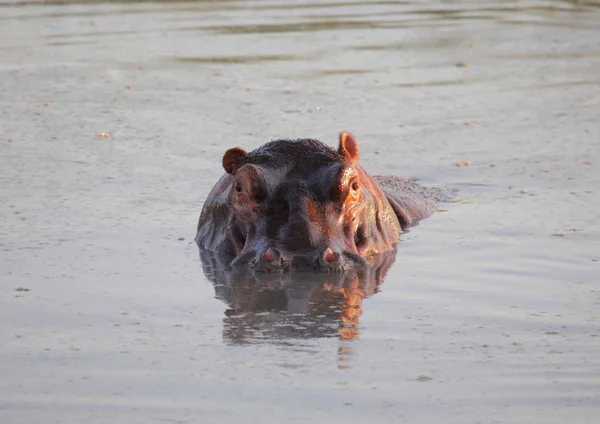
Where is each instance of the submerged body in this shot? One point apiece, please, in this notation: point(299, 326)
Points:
point(300, 204)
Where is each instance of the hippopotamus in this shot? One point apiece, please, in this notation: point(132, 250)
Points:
point(299, 204)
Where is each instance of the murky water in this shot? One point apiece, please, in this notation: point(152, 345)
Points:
point(113, 121)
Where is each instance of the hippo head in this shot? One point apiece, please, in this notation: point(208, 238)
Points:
point(299, 204)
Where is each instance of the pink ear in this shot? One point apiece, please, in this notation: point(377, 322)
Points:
point(233, 159)
point(348, 147)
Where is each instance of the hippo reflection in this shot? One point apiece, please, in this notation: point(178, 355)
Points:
point(299, 204)
point(275, 306)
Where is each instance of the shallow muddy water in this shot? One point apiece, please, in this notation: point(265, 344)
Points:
point(113, 121)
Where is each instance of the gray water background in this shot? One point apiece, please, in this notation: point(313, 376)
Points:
point(491, 311)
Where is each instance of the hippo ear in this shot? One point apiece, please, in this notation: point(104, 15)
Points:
point(233, 159)
point(348, 147)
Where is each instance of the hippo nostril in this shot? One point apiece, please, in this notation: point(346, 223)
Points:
point(329, 256)
point(271, 255)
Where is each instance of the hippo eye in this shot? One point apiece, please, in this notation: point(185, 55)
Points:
point(238, 187)
point(355, 185)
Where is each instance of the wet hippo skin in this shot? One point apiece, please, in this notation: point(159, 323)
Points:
point(299, 204)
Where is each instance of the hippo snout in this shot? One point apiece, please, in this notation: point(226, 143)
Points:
point(273, 259)
point(331, 261)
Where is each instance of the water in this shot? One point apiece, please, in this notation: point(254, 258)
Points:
point(490, 312)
